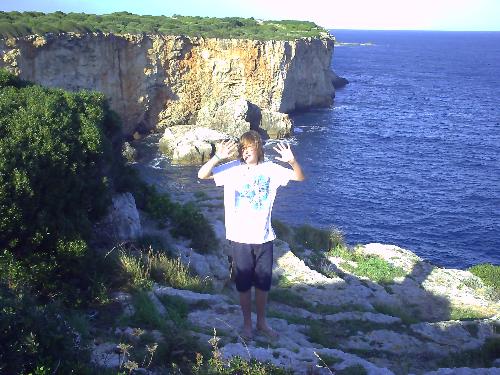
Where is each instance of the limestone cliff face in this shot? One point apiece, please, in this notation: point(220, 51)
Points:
point(158, 81)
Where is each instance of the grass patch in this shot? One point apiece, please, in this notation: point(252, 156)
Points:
point(177, 308)
point(174, 273)
point(375, 268)
point(313, 238)
point(137, 268)
point(308, 237)
point(177, 344)
point(185, 220)
point(282, 231)
point(141, 268)
point(465, 313)
point(284, 282)
point(490, 276)
point(146, 315)
point(217, 365)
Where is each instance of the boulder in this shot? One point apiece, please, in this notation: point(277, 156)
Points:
point(236, 116)
point(122, 221)
point(275, 125)
point(339, 82)
point(188, 144)
point(195, 144)
point(230, 117)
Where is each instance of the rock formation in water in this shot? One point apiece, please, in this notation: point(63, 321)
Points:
point(157, 81)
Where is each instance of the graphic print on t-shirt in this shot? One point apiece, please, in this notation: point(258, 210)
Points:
point(253, 194)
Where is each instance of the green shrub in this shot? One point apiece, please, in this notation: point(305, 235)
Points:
point(145, 313)
point(186, 220)
point(7, 79)
point(36, 337)
point(54, 152)
point(282, 231)
point(490, 275)
point(311, 238)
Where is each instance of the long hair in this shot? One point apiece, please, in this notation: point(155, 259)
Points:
point(251, 138)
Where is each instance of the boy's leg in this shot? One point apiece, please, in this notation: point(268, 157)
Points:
point(244, 268)
point(260, 304)
point(263, 276)
point(246, 309)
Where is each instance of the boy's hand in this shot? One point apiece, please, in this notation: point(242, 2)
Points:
point(226, 148)
point(286, 154)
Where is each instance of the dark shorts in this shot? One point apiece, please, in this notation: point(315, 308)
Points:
point(253, 265)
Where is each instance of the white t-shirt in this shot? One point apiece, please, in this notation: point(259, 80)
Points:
point(249, 193)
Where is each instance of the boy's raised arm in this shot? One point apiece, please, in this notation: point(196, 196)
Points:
point(223, 151)
point(286, 156)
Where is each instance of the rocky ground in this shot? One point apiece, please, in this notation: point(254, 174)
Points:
point(331, 320)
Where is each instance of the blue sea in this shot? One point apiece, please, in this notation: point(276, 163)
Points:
point(409, 153)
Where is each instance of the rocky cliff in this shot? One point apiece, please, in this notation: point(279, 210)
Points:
point(156, 81)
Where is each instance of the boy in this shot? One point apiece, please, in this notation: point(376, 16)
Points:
point(250, 186)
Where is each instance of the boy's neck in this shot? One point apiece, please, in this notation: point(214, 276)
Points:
point(249, 165)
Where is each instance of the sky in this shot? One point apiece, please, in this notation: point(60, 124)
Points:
point(450, 15)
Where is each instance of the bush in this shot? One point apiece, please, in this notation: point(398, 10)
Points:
point(7, 79)
point(318, 239)
point(36, 337)
point(54, 152)
point(186, 220)
point(190, 222)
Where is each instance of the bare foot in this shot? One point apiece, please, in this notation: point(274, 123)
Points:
point(246, 334)
point(268, 332)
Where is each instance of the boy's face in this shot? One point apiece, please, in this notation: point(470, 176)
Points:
point(249, 154)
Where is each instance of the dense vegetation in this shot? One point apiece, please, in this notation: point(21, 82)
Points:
point(55, 153)
point(17, 24)
point(55, 166)
point(60, 163)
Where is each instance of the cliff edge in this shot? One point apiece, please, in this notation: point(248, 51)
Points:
point(159, 81)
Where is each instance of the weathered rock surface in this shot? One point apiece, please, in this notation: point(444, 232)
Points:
point(122, 221)
point(177, 80)
point(330, 321)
